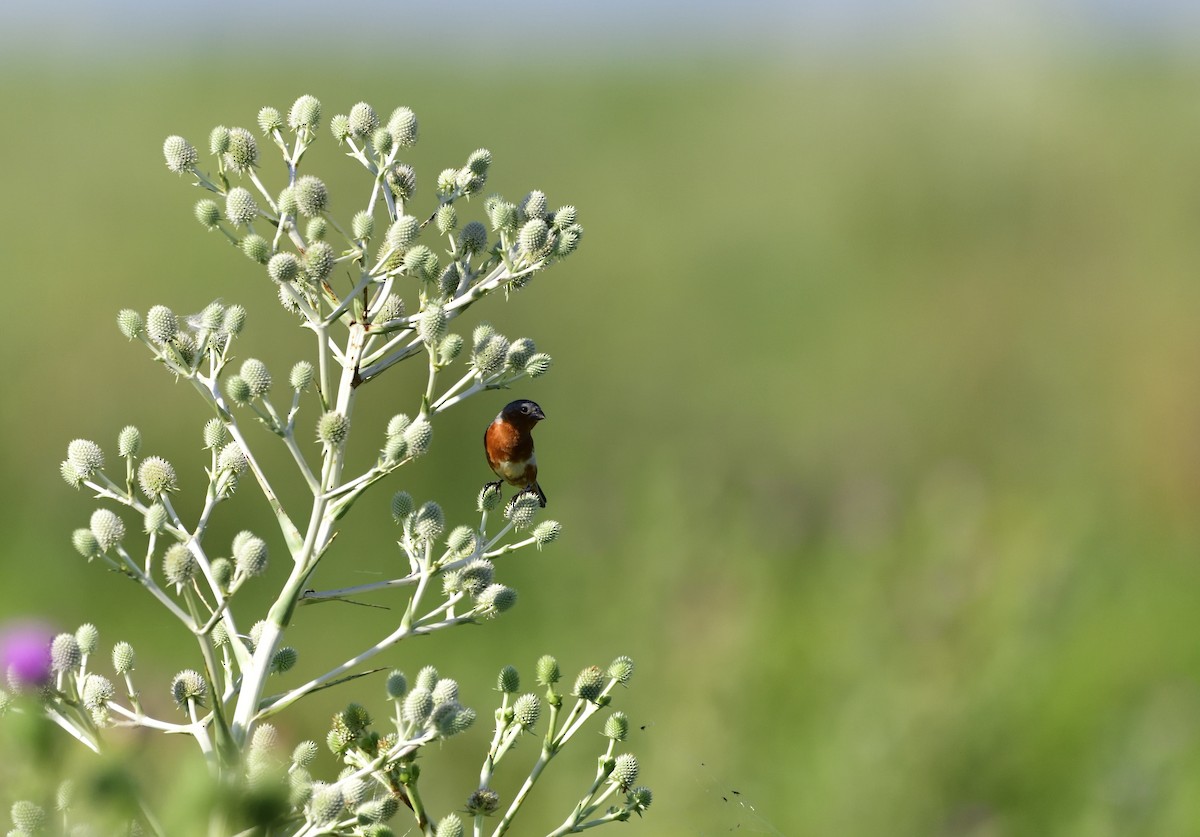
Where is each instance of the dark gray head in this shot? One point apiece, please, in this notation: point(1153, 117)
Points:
point(522, 413)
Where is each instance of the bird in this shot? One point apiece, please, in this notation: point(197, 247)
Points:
point(508, 443)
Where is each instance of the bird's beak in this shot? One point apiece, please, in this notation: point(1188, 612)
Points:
point(539, 415)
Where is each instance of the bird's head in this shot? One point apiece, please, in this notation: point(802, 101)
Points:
point(522, 413)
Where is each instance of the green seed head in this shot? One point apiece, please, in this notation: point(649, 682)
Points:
point(534, 205)
point(589, 684)
point(86, 457)
point(28, 817)
point(526, 710)
point(154, 519)
point(240, 207)
point(270, 119)
point(446, 218)
point(301, 376)
point(419, 436)
point(316, 229)
point(108, 528)
point(617, 726)
point(449, 826)
point(480, 161)
point(187, 685)
point(215, 433)
point(161, 324)
point(129, 441)
point(312, 197)
point(625, 771)
point(417, 706)
point(403, 126)
point(304, 753)
point(254, 373)
point(382, 141)
point(496, 599)
point(318, 262)
point(180, 154)
point(97, 691)
point(430, 521)
point(305, 113)
point(218, 140)
point(533, 239)
point(179, 565)
point(123, 658)
point(483, 801)
point(519, 354)
point(362, 120)
point(332, 429)
point(129, 322)
point(522, 510)
point(156, 476)
point(207, 213)
point(473, 238)
point(65, 653)
point(538, 365)
point(432, 326)
point(396, 685)
point(509, 681)
point(621, 669)
point(402, 506)
point(283, 267)
point(85, 543)
point(234, 320)
point(250, 554)
point(402, 180)
point(256, 248)
point(242, 154)
point(87, 635)
point(363, 225)
point(548, 672)
point(284, 659)
point(546, 532)
point(489, 498)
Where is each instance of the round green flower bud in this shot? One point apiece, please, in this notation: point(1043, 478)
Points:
point(473, 238)
point(617, 726)
point(339, 126)
point(363, 225)
point(589, 684)
point(376, 810)
point(403, 232)
point(87, 635)
point(254, 373)
point(256, 248)
point(503, 216)
point(305, 753)
point(534, 205)
point(242, 154)
point(339, 740)
point(394, 449)
point(332, 429)
point(447, 182)
point(397, 424)
point(382, 141)
point(402, 180)
point(449, 826)
point(64, 796)
point(129, 441)
point(85, 543)
point(155, 518)
point(311, 195)
point(218, 140)
point(621, 669)
point(468, 182)
point(107, 527)
point(250, 554)
point(362, 120)
point(444, 717)
point(215, 433)
point(432, 325)
point(392, 308)
point(480, 161)
point(327, 803)
point(497, 598)
point(449, 349)
point(316, 230)
point(538, 365)
point(284, 659)
point(86, 457)
point(509, 681)
point(161, 324)
point(489, 498)
point(222, 572)
point(445, 691)
point(318, 262)
point(402, 506)
point(522, 509)
point(220, 635)
point(476, 576)
point(526, 710)
point(625, 771)
point(403, 125)
point(396, 685)
point(123, 658)
point(65, 653)
point(448, 281)
point(519, 353)
point(641, 797)
point(430, 521)
point(240, 207)
point(418, 436)
point(179, 565)
point(180, 154)
point(185, 345)
point(210, 319)
point(283, 267)
point(129, 322)
point(446, 218)
point(97, 691)
point(489, 360)
point(67, 471)
point(288, 202)
point(156, 476)
point(256, 631)
point(546, 532)
point(462, 541)
point(427, 678)
point(533, 238)
point(234, 320)
point(207, 213)
point(305, 113)
point(565, 216)
point(238, 390)
point(270, 119)
point(28, 817)
point(417, 706)
point(547, 671)
point(568, 241)
point(356, 717)
point(301, 376)
point(264, 739)
point(483, 801)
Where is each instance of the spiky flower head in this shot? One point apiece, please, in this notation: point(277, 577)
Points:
point(519, 353)
point(249, 553)
point(396, 685)
point(533, 239)
point(179, 565)
point(397, 424)
point(234, 320)
point(522, 509)
point(284, 659)
point(254, 372)
point(312, 197)
point(85, 543)
point(215, 433)
point(402, 506)
point(86, 457)
point(301, 376)
point(287, 202)
point(480, 161)
point(403, 232)
point(402, 180)
point(240, 207)
point(207, 213)
point(546, 532)
point(503, 216)
point(129, 441)
point(318, 261)
point(264, 739)
point(496, 599)
point(449, 826)
point(392, 308)
point(417, 706)
point(473, 238)
point(69, 474)
point(154, 519)
point(305, 753)
point(382, 141)
point(327, 803)
point(432, 326)
point(283, 267)
point(316, 229)
point(123, 658)
point(621, 669)
point(87, 635)
point(427, 678)
point(305, 113)
point(187, 685)
point(362, 225)
point(508, 681)
point(376, 811)
point(483, 801)
point(180, 154)
point(218, 140)
point(97, 691)
point(449, 349)
point(589, 684)
point(270, 119)
point(446, 218)
point(476, 576)
point(65, 653)
point(625, 771)
point(489, 498)
point(489, 358)
point(418, 436)
point(156, 476)
point(445, 691)
point(534, 205)
point(538, 365)
point(640, 798)
point(242, 154)
point(64, 796)
point(422, 262)
point(461, 541)
point(565, 216)
point(526, 710)
point(332, 429)
point(568, 241)
point(256, 248)
point(447, 182)
point(107, 527)
point(362, 120)
point(430, 521)
point(403, 125)
point(616, 726)
point(161, 324)
point(222, 573)
point(130, 324)
point(28, 817)
point(468, 182)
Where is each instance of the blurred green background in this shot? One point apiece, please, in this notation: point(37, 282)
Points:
point(872, 425)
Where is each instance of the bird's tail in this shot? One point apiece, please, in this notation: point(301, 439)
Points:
point(541, 495)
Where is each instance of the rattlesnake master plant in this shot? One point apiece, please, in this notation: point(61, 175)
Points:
point(385, 286)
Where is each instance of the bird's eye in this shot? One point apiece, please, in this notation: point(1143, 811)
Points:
point(525, 409)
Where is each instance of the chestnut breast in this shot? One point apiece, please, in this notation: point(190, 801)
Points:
point(510, 452)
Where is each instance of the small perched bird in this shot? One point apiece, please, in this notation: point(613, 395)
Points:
point(508, 442)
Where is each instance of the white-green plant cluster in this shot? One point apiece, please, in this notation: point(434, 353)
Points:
point(384, 287)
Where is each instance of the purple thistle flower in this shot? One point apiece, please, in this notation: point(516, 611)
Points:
point(25, 653)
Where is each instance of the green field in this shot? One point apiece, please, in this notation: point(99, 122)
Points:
point(873, 425)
